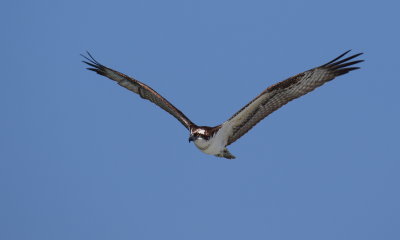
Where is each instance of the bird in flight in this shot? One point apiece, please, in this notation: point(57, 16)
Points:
point(214, 140)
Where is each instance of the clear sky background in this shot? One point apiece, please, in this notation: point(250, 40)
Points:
point(83, 158)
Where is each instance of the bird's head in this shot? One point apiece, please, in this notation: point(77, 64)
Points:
point(197, 133)
point(202, 133)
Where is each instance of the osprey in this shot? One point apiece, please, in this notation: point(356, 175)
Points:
point(213, 140)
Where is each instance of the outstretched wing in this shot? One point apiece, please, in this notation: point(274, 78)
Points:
point(135, 86)
point(281, 93)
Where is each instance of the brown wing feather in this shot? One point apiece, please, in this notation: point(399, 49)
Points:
point(140, 88)
point(283, 92)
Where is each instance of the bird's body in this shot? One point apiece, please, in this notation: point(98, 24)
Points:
point(213, 140)
point(216, 144)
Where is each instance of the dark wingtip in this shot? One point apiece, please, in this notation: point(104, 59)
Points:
point(95, 66)
point(345, 64)
point(341, 66)
point(341, 55)
point(91, 61)
point(90, 64)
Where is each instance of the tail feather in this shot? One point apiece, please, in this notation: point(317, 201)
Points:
point(226, 154)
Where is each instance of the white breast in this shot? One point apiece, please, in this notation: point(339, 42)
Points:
point(216, 144)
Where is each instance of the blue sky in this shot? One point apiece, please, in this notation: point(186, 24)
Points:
point(82, 158)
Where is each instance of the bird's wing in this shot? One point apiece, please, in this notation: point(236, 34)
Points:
point(140, 88)
point(281, 93)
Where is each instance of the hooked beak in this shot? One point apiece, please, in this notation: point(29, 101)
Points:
point(192, 138)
